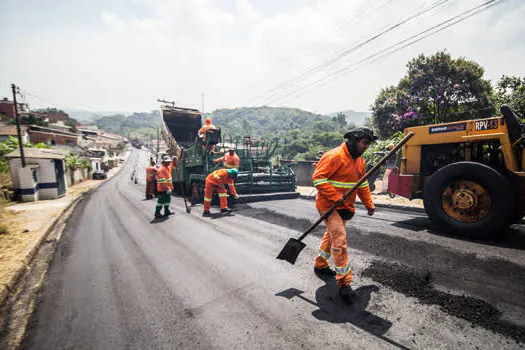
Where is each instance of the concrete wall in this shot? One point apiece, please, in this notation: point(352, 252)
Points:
point(303, 171)
point(28, 185)
point(77, 176)
point(46, 178)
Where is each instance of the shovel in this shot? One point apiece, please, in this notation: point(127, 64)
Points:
point(293, 248)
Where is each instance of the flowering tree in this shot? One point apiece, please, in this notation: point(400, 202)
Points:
point(436, 89)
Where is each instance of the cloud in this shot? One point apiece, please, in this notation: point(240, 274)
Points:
point(127, 54)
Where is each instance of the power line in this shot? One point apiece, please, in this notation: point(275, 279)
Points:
point(348, 51)
point(310, 47)
point(62, 106)
point(393, 48)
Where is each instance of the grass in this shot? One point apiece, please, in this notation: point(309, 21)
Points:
point(4, 230)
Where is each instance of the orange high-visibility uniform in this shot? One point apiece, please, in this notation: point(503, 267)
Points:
point(164, 182)
point(230, 162)
point(215, 182)
point(204, 130)
point(335, 174)
point(151, 172)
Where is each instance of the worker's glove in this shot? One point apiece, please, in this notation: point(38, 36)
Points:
point(236, 197)
point(168, 192)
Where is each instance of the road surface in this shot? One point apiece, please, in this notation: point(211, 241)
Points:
point(119, 280)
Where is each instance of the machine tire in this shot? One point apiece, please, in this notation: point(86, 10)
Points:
point(496, 217)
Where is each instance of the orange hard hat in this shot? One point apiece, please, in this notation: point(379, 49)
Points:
point(208, 121)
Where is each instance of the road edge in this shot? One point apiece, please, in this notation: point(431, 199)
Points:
point(381, 205)
point(7, 288)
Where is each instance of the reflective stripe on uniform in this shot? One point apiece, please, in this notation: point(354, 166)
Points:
point(341, 184)
point(230, 166)
point(223, 194)
point(363, 185)
point(206, 199)
point(342, 270)
point(216, 176)
point(320, 181)
point(324, 254)
point(161, 181)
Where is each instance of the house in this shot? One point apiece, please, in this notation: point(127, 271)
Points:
point(8, 108)
point(50, 136)
point(60, 126)
point(43, 177)
point(7, 131)
point(53, 117)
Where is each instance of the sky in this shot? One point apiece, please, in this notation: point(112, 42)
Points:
point(122, 55)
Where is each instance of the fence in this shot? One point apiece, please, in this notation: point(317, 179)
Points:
point(78, 175)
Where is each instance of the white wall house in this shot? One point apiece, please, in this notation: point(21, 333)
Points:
point(43, 176)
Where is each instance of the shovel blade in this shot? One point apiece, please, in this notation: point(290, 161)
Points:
point(291, 250)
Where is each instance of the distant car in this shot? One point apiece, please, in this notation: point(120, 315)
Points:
point(99, 175)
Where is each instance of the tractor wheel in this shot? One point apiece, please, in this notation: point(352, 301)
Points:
point(469, 199)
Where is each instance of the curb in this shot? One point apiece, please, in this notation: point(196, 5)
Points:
point(9, 286)
point(381, 205)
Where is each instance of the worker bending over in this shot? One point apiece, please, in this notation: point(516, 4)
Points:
point(216, 181)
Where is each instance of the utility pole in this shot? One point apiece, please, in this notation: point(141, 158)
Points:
point(158, 140)
point(17, 117)
point(202, 109)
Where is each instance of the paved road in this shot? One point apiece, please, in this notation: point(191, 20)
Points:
point(120, 281)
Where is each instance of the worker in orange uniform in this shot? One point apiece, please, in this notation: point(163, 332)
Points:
point(337, 171)
point(202, 132)
point(230, 160)
point(216, 181)
point(164, 186)
point(151, 173)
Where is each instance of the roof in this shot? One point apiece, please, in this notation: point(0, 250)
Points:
point(40, 153)
point(11, 130)
point(43, 129)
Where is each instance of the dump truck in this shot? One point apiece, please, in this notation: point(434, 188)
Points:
point(470, 174)
point(258, 178)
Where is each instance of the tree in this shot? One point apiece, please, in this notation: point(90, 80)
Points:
point(436, 89)
point(510, 90)
point(340, 119)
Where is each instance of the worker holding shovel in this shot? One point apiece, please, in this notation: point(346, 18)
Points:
point(339, 170)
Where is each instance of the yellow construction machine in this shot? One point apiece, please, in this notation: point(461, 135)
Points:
point(470, 174)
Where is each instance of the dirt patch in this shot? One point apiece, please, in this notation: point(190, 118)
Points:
point(26, 222)
point(412, 283)
point(13, 244)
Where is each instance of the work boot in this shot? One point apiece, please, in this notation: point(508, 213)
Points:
point(168, 213)
point(157, 212)
point(206, 214)
point(226, 210)
point(346, 292)
point(324, 271)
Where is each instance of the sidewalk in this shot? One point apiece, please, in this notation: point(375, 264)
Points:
point(28, 223)
point(379, 199)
